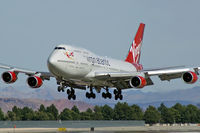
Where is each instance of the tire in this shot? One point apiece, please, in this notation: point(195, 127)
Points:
point(69, 97)
point(115, 91)
point(121, 97)
point(87, 95)
point(120, 91)
point(104, 95)
point(74, 97)
point(116, 97)
point(58, 88)
point(72, 91)
point(93, 96)
point(109, 95)
point(68, 91)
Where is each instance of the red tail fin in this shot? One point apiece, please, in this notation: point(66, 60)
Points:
point(135, 49)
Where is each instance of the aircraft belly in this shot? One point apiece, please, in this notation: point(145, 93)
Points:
point(97, 82)
point(73, 71)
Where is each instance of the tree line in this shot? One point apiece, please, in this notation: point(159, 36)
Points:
point(121, 111)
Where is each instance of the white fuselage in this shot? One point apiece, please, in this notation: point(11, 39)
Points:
point(72, 63)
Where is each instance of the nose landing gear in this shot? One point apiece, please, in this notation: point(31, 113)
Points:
point(70, 92)
point(61, 88)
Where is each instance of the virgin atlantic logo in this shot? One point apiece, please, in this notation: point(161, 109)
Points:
point(69, 55)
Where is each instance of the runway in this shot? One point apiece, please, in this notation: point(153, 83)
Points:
point(106, 129)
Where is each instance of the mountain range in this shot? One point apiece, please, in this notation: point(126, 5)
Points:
point(8, 103)
point(24, 96)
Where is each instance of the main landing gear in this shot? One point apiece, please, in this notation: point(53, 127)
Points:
point(107, 94)
point(118, 94)
point(90, 94)
point(71, 94)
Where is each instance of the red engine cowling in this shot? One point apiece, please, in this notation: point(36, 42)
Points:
point(9, 77)
point(138, 82)
point(189, 77)
point(34, 81)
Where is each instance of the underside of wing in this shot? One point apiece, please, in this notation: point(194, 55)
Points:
point(125, 80)
point(169, 74)
point(122, 80)
point(34, 80)
point(26, 71)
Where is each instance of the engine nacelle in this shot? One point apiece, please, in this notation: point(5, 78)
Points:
point(189, 77)
point(137, 82)
point(9, 77)
point(34, 81)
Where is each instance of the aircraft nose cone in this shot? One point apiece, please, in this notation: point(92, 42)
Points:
point(51, 61)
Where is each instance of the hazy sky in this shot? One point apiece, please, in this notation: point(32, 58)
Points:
point(29, 30)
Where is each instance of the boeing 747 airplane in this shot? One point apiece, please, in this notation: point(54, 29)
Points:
point(78, 68)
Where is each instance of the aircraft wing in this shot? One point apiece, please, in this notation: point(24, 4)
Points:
point(122, 79)
point(43, 75)
point(168, 74)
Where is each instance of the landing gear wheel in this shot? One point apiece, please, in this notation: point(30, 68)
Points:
point(118, 94)
point(119, 91)
point(72, 91)
point(87, 95)
point(109, 95)
point(68, 91)
point(120, 97)
point(90, 94)
point(69, 97)
point(115, 91)
point(74, 97)
point(116, 97)
point(62, 86)
point(59, 88)
point(104, 95)
point(71, 94)
point(93, 95)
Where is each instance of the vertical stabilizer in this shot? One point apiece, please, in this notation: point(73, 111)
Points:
point(135, 49)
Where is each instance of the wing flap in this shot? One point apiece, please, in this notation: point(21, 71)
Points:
point(168, 77)
point(168, 71)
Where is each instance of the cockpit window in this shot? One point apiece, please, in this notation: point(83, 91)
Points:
point(60, 48)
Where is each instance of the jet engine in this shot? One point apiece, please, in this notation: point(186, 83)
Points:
point(9, 77)
point(137, 82)
point(34, 81)
point(189, 77)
